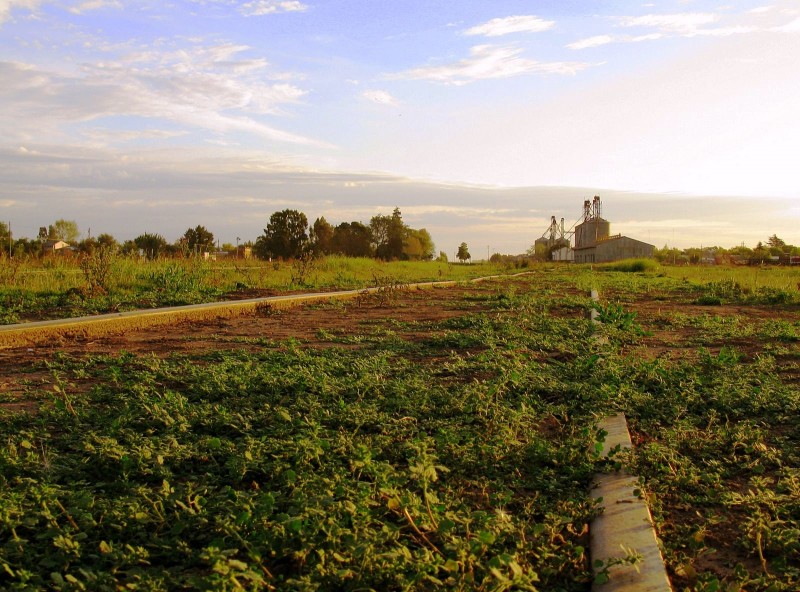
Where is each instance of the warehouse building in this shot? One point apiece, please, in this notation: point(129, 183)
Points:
point(594, 243)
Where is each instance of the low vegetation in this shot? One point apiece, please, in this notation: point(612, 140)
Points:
point(415, 453)
point(59, 287)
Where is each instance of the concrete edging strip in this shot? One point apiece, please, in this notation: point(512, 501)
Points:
point(625, 523)
point(24, 334)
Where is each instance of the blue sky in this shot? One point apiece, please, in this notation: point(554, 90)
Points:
point(479, 120)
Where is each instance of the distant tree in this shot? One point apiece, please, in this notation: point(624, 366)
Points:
point(108, 241)
point(776, 242)
point(152, 245)
point(65, 230)
point(26, 246)
point(285, 235)
point(352, 239)
point(463, 252)
point(87, 245)
point(442, 258)
point(320, 236)
point(418, 245)
point(741, 251)
point(5, 239)
point(388, 234)
point(199, 239)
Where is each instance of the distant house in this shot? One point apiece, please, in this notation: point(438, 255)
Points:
point(52, 245)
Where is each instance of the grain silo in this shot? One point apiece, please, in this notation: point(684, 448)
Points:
point(594, 243)
point(593, 228)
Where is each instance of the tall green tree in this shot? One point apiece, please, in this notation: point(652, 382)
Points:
point(352, 239)
point(199, 239)
point(108, 241)
point(285, 235)
point(463, 252)
point(152, 245)
point(320, 236)
point(5, 234)
point(65, 230)
point(388, 234)
point(776, 242)
point(418, 245)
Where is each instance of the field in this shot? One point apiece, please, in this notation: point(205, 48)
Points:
point(64, 286)
point(410, 440)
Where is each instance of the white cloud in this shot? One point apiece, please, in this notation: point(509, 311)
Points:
point(487, 62)
point(791, 27)
point(686, 22)
point(262, 7)
point(760, 9)
point(591, 42)
point(82, 7)
point(511, 24)
point(380, 97)
point(202, 88)
point(6, 6)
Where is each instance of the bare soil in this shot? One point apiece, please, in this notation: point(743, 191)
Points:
point(313, 325)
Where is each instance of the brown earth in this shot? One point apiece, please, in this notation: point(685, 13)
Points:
point(314, 325)
point(311, 323)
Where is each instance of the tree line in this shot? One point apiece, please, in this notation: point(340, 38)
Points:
point(288, 235)
point(773, 250)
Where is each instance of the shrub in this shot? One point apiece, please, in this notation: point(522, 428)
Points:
point(629, 265)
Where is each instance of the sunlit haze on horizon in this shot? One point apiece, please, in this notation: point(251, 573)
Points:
point(479, 120)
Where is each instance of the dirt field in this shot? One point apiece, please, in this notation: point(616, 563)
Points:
point(310, 323)
point(673, 326)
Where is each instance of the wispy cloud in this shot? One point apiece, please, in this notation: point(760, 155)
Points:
point(380, 97)
point(6, 6)
point(200, 87)
point(88, 5)
point(263, 7)
point(511, 24)
point(595, 41)
point(488, 62)
point(685, 24)
point(790, 27)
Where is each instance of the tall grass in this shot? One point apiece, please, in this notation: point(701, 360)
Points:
point(752, 277)
point(63, 286)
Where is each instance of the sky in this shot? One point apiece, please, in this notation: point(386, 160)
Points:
point(479, 120)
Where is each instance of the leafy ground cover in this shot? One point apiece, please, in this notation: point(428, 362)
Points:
point(711, 394)
point(407, 440)
point(400, 451)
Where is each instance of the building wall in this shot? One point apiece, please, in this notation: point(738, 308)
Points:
point(590, 231)
point(563, 254)
point(622, 248)
point(614, 249)
point(585, 255)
